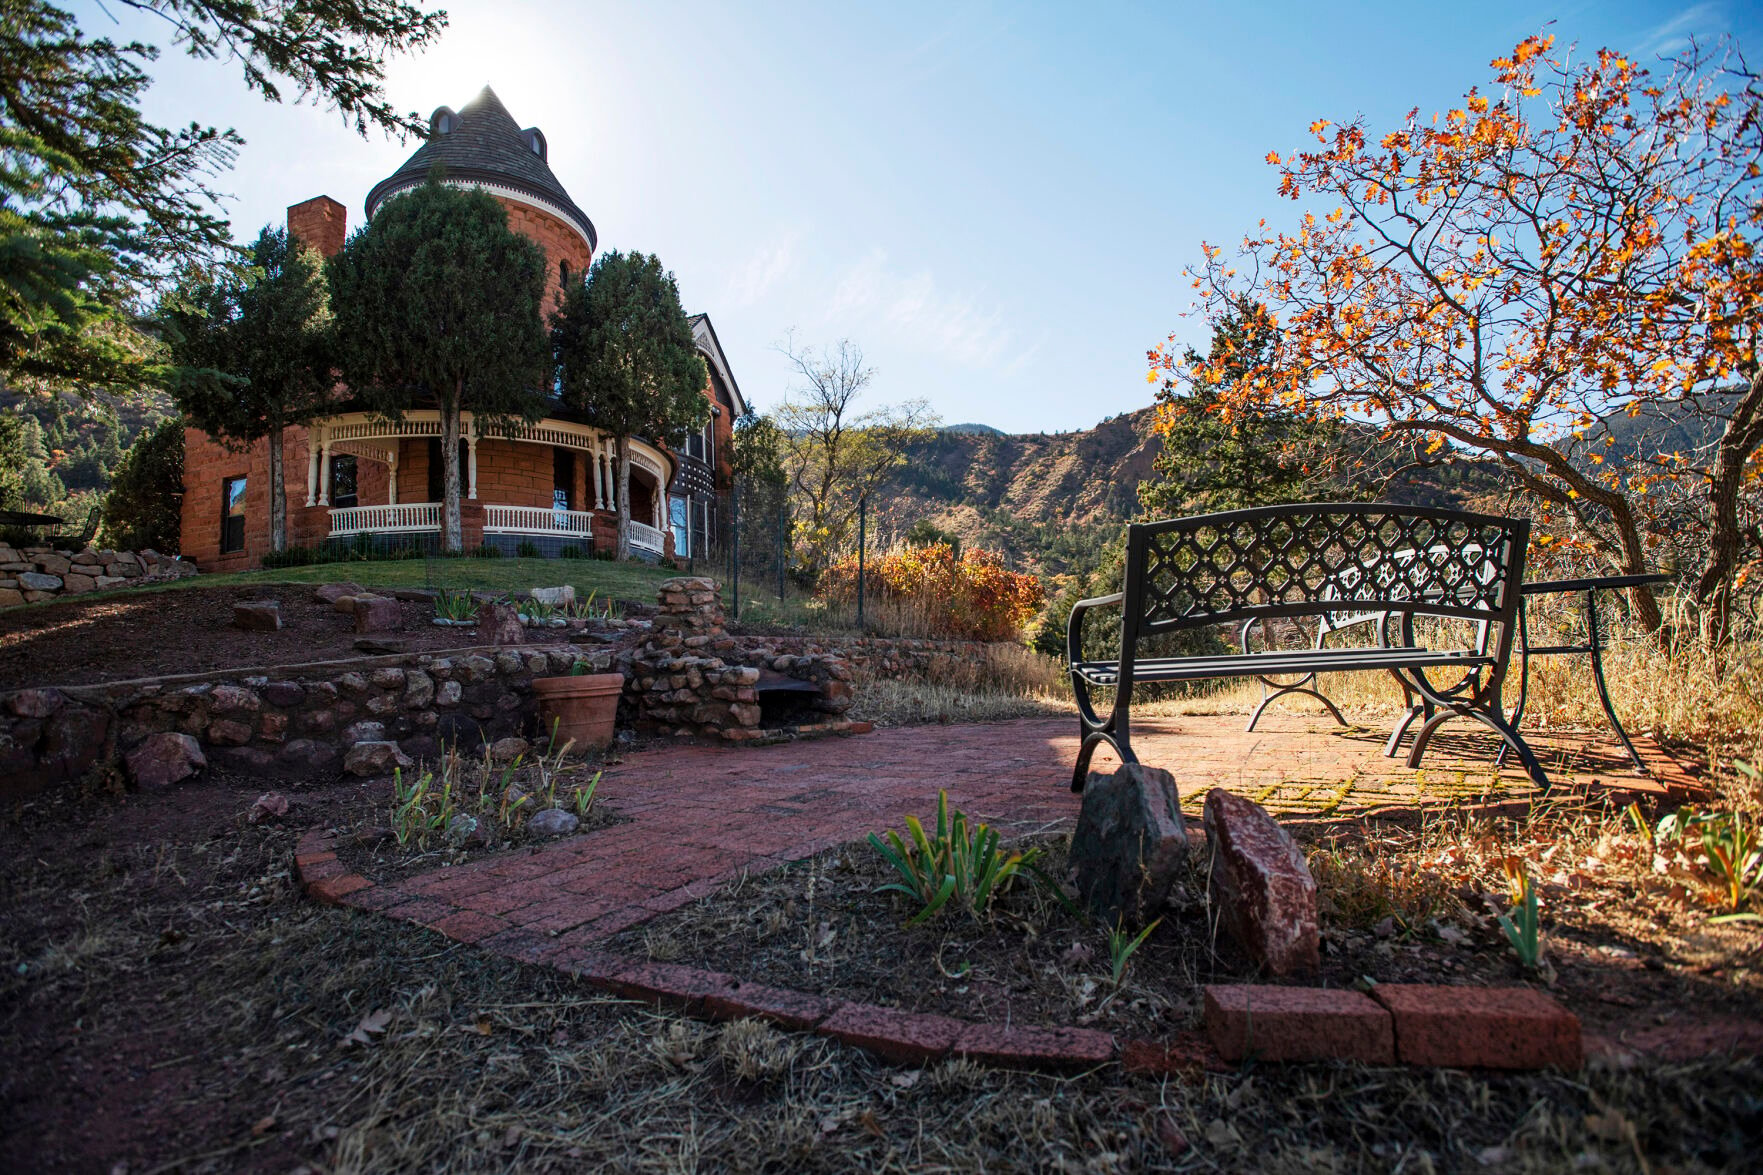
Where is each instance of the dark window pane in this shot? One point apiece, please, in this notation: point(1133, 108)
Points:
point(563, 478)
point(343, 482)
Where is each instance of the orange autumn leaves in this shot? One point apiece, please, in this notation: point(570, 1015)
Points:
point(1507, 272)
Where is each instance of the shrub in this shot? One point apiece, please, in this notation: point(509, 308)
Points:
point(486, 551)
point(962, 861)
point(527, 549)
point(571, 551)
point(973, 596)
point(143, 507)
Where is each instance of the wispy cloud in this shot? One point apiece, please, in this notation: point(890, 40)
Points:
point(952, 325)
point(769, 265)
point(1673, 36)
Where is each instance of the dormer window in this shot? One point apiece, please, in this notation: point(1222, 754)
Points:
point(535, 141)
point(442, 121)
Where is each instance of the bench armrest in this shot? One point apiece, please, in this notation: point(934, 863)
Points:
point(1074, 627)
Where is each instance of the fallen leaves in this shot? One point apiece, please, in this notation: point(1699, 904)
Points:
point(373, 1024)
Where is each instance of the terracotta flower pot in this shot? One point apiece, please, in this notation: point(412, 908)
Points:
point(583, 707)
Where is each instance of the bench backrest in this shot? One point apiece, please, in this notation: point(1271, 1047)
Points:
point(1328, 559)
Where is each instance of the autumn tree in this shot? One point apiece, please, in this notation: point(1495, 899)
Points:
point(437, 305)
point(626, 361)
point(99, 205)
point(254, 356)
point(1579, 244)
point(835, 453)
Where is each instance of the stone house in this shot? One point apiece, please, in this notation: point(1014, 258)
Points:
point(550, 483)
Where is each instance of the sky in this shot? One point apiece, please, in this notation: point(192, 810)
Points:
point(995, 201)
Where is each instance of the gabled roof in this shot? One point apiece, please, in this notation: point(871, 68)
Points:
point(483, 144)
point(705, 336)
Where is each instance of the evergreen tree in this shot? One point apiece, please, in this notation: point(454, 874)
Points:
point(97, 204)
point(13, 458)
point(437, 305)
point(762, 486)
point(254, 355)
point(143, 507)
point(1213, 460)
point(627, 362)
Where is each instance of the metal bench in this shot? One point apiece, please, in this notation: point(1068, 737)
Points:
point(1341, 564)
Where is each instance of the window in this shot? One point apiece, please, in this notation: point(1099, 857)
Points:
point(698, 444)
point(678, 512)
point(232, 515)
point(443, 124)
point(563, 274)
point(562, 478)
point(343, 484)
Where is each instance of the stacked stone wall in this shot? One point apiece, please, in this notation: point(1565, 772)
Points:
point(284, 722)
point(29, 574)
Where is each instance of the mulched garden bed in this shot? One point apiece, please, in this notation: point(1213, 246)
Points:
point(189, 630)
point(1398, 904)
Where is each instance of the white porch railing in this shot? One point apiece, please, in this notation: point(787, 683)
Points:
point(406, 517)
point(537, 520)
point(648, 538)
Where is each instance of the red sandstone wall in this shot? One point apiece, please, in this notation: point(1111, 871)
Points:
point(560, 243)
point(321, 222)
point(207, 465)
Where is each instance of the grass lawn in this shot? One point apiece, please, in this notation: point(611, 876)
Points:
point(621, 581)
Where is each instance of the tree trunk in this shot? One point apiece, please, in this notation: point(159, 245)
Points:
point(623, 550)
point(1738, 442)
point(278, 494)
point(452, 536)
point(1634, 562)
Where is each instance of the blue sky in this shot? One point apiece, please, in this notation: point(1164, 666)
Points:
point(995, 201)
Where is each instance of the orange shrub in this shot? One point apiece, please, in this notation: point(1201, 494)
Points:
point(974, 597)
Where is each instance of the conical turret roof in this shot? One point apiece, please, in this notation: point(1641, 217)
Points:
point(483, 144)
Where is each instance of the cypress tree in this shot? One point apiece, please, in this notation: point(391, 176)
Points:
point(437, 305)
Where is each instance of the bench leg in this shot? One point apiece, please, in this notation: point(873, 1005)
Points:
point(1395, 744)
point(1091, 740)
point(1499, 725)
point(1281, 691)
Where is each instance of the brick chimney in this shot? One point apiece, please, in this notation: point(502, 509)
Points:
point(321, 222)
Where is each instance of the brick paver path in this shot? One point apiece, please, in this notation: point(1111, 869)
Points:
point(702, 815)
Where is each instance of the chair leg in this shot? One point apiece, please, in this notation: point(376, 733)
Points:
point(1092, 740)
point(1395, 744)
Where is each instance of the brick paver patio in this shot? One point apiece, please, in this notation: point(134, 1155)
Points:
point(701, 815)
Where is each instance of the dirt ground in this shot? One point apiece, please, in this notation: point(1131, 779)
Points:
point(1621, 962)
point(169, 1002)
point(189, 630)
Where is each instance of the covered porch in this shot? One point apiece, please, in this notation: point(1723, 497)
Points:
point(553, 483)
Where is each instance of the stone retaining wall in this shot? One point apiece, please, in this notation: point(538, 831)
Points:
point(284, 722)
point(30, 574)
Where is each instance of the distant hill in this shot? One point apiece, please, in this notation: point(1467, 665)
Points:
point(1051, 502)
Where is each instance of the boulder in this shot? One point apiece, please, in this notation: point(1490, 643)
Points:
point(1260, 885)
point(553, 822)
point(74, 584)
point(501, 624)
point(10, 598)
point(73, 738)
point(54, 564)
point(506, 750)
point(330, 593)
point(34, 581)
point(556, 597)
point(419, 689)
point(364, 732)
point(257, 615)
point(35, 703)
point(344, 604)
point(377, 614)
point(87, 557)
point(375, 758)
point(164, 759)
point(1129, 845)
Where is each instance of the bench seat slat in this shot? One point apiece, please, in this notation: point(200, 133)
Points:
point(1281, 662)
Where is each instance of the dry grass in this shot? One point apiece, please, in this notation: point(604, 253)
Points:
point(233, 998)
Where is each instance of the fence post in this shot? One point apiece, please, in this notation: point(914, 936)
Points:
point(862, 536)
point(734, 508)
point(780, 551)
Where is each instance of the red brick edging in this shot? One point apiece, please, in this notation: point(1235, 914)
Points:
point(1417, 1024)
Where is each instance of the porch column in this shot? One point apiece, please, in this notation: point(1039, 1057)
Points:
point(324, 474)
point(471, 457)
point(312, 465)
point(599, 486)
point(392, 476)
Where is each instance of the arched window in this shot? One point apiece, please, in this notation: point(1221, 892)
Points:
point(444, 124)
point(563, 274)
